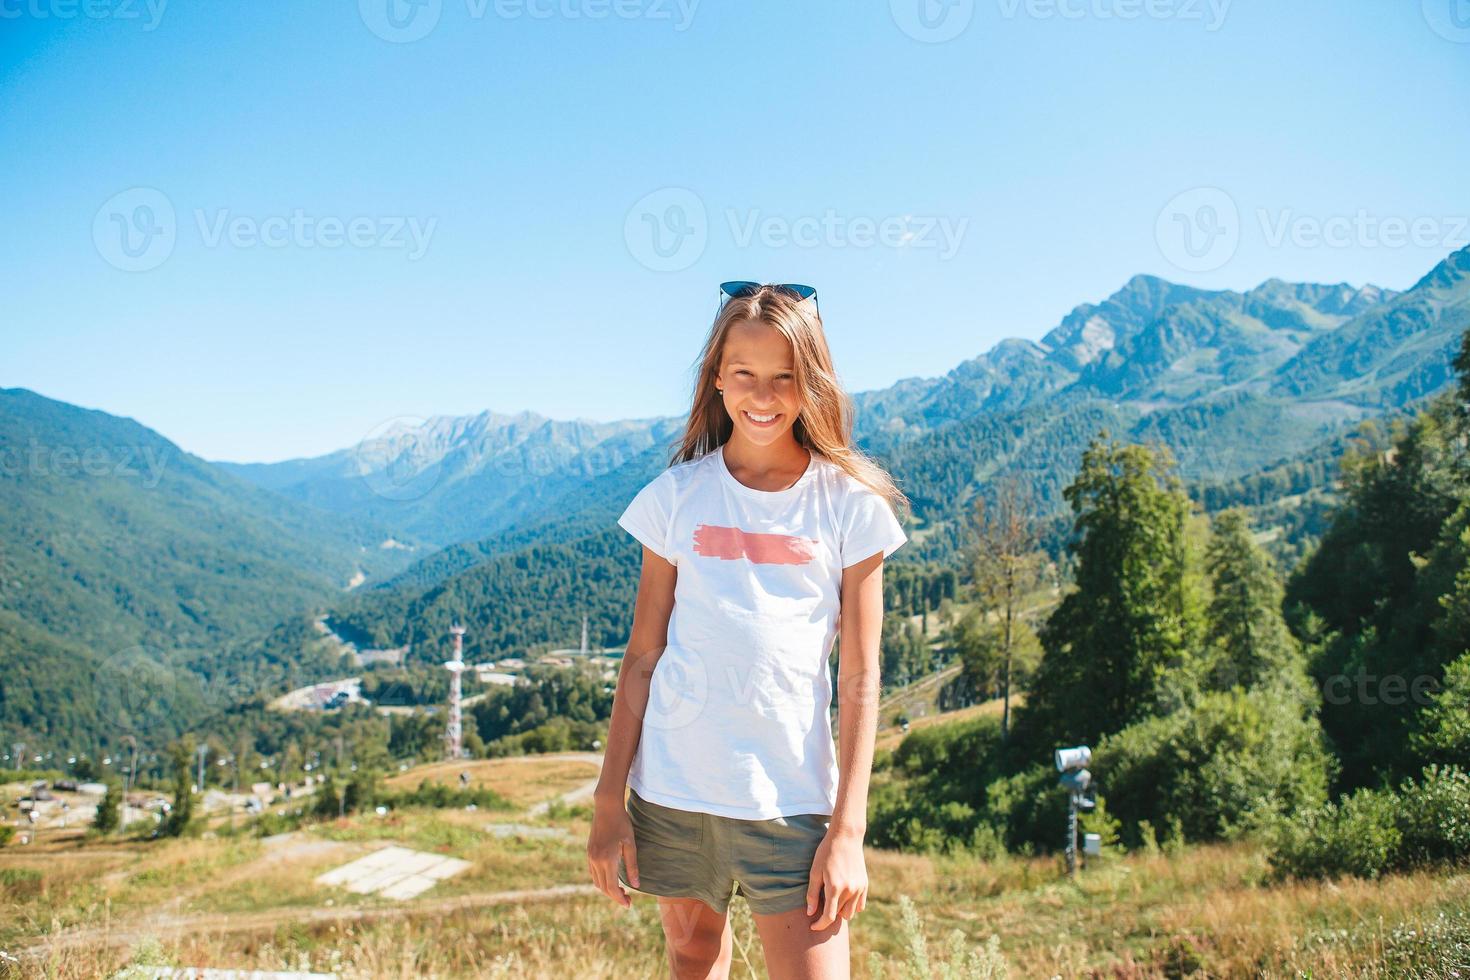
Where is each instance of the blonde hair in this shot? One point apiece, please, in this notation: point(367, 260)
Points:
point(824, 425)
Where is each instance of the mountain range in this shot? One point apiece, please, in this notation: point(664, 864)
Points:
point(1268, 371)
point(113, 539)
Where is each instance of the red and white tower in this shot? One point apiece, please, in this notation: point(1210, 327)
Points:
point(454, 732)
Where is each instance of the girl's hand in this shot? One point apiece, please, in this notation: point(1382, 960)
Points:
point(839, 878)
point(611, 838)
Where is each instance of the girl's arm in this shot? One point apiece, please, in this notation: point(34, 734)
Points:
point(858, 686)
point(646, 642)
point(839, 879)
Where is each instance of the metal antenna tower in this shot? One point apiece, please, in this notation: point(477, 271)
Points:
point(454, 731)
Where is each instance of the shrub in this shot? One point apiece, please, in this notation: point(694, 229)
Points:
point(933, 801)
point(1378, 830)
point(441, 796)
point(1434, 816)
point(1099, 821)
point(555, 735)
point(1030, 808)
point(1357, 836)
point(1228, 758)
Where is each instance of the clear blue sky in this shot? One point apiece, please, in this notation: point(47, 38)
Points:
point(521, 136)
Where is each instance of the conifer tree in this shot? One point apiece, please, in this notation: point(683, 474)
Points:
point(1248, 640)
point(1113, 646)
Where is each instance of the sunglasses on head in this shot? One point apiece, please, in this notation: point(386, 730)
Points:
point(735, 290)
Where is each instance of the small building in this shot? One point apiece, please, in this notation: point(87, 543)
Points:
point(496, 677)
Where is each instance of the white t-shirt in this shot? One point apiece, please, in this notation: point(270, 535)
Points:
point(737, 717)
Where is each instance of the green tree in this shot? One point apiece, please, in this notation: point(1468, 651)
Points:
point(1383, 604)
point(181, 754)
point(1443, 728)
point(362, 790)
point(1135, 617)
point(1249, 642)
point(108, 808)
point(328, 802)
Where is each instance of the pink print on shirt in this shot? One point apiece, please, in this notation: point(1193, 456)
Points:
point(730, 543)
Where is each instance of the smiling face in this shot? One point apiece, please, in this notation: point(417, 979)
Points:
point(759, 379)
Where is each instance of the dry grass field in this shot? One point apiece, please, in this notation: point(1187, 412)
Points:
point(72, 908)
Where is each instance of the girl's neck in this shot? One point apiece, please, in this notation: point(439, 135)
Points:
point(766, 464)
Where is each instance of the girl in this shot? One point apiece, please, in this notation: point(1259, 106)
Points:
point(764, 537)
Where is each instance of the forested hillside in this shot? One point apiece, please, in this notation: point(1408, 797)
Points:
point(117, 547)
point(121, 557)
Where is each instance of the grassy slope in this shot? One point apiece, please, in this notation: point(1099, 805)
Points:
point(245, 903)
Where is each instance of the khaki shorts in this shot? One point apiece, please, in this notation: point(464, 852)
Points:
point(686, 854)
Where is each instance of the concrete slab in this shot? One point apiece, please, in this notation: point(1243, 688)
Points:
point(393, 872)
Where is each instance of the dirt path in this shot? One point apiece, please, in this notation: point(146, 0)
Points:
point(226, 922)
point(576, 793)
